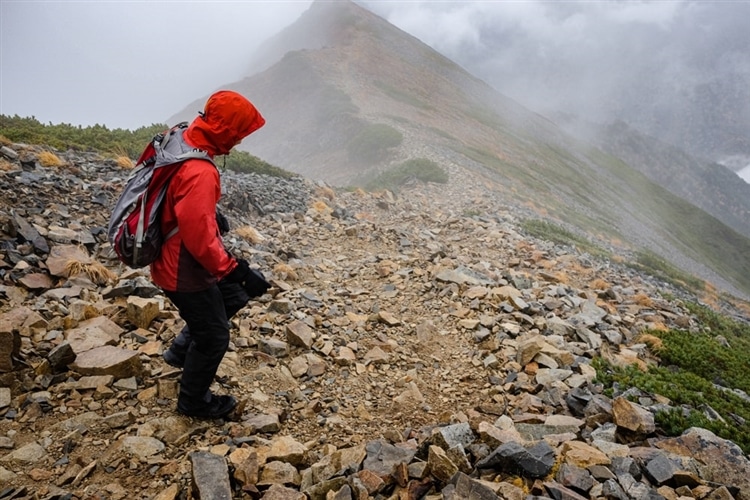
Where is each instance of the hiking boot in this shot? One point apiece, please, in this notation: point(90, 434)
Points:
point(173, 359)
point(219, 407)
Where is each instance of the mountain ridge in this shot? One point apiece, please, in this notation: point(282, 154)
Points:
point(366, 73)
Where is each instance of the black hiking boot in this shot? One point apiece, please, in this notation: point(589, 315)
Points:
point(219, 407)
point(173, 359)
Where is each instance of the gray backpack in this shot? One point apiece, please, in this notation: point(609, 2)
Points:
point(134, 228)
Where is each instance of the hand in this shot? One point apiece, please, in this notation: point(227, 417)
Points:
point(251, 280)
point(256, 284)
point(240, 273)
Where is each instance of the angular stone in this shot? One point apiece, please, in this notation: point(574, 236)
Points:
point(441, 467)
point(267, 424)
point(723, 461)
point(28, 454)
point(632, 417)
point(535, 462)
point(528, 347)
point(279, 492)
point(388, 318)
point(36, 281)
point(61, 255)
point(467, 488)
point(10, 346)
point(560, 492)
point(286, 449)
point(298, 334)
point(108, 360)
point(346, 357)
point(29, 233)
point(93, 333)
point(276, 472)
point(142, 311)
point(142, 446)
point(575, 478)
point(376, 355)
point(372, 482)
point(660, 470)
point(345, 461)
point(274, 347)
point(210, 477)
point(583, 455)
point(453, 435)
point(60, 357)
point(246, 467)
point(382, 457)
point(5, 397)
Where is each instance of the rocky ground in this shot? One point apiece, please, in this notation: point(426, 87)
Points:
point(412, 346)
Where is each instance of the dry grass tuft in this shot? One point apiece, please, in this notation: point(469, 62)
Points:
point(124, 162)
point(562, 277)
point(320, 206)
point(250, 234)
point(5, 165)
point(285, 272)
point(643, 300)
point(4, 141)
point(95, 271)
point(48, 159)
point(652, 341)
point(599, 284)
point(325, 192)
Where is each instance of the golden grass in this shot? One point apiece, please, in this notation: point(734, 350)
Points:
point(5, 165)
point(320, 206)
point(4, 141)
point(95, 271)
point(643, 300)
point(599, 284)
point(652, 341)
point(562, 277)
point(250, 234)
point(49, 159)
point(124, 162)
point(285, 272)
point(325, 192)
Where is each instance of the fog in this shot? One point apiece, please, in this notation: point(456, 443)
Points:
point(677, 68)
point(126, 64)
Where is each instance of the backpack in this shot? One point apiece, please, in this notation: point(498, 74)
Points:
point(134, 228)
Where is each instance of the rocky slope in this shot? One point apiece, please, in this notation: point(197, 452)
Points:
point(412, 346)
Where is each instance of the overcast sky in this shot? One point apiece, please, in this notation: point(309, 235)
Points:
point(133, 63)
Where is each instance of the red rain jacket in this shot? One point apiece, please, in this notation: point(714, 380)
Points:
point(195, 258)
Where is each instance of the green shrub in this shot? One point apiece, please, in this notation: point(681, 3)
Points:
point(421, 169)
point(117, 142)
point(64, 136)
point(372, 144)
point(650, 263)
point(243, 162)
point(558, 234)
point(697, 370)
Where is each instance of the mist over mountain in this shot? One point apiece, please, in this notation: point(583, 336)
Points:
point(349, 97)
point(678, 71)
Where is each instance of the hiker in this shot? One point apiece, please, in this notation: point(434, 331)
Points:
point(201, 278)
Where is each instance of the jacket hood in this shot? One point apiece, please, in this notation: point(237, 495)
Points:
point(227, 118)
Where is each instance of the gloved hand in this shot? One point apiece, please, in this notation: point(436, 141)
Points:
point(252, 281)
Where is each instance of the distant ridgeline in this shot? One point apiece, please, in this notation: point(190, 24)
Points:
point(114, 142)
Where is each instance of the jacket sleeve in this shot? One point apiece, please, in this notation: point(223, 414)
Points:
point(196, 195)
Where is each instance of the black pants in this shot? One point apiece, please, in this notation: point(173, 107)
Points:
point(205, 337)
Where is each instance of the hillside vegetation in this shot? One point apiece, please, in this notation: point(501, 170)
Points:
point(118, 143)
